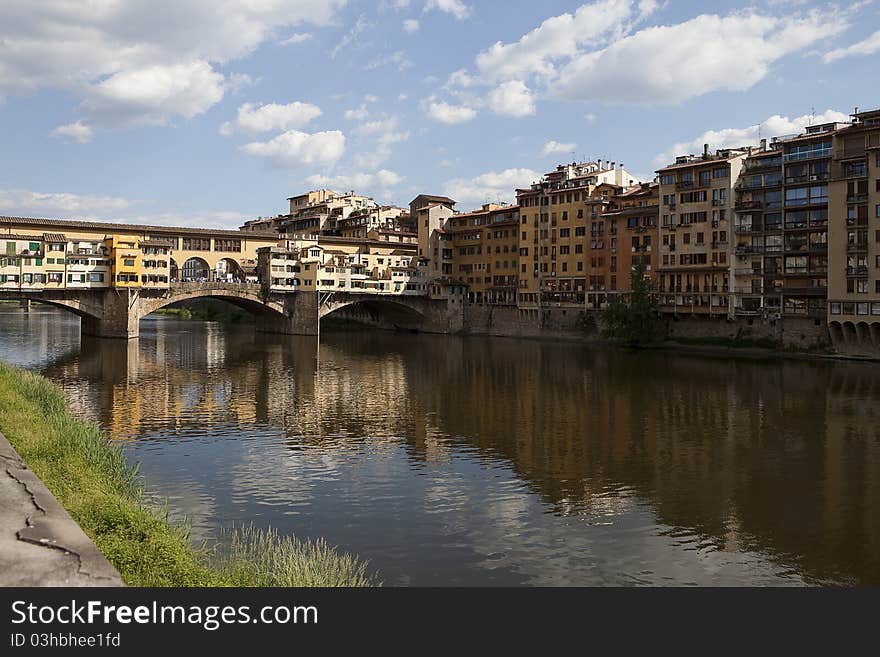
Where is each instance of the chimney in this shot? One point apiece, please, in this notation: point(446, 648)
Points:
point(763, 145)
point(706, 151)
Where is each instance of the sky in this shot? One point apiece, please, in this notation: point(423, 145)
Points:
point(213, 112)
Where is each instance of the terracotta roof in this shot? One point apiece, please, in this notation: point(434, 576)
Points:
point(25, 238)
point(130, 228)
point(54, 237)
point(431, 197)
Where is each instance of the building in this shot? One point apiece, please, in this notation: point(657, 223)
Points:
point(633, 235)
point(360, 223)
point(781, 226)
point(319, 212)
point(563, 250)
point(485, 253)
point(434, 243)
point(81, 253)
point(854, 236)
point(336, 264)
point(696, 220)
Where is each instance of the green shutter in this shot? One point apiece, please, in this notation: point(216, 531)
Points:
point(39, 262)
point(10, 248)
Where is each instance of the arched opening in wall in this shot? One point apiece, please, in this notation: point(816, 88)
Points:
point(836, 332)
point(229, 271)
point(195, 270)
point(175, 271)
point(215, 307)
point(380, 314)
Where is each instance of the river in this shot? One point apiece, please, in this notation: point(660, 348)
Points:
point(487, 461)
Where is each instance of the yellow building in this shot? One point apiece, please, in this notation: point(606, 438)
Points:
point(564, 244)
point(696, 220)
point(125, 259)
point(485, 252)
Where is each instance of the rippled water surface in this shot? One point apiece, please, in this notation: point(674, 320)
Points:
point(472, 461)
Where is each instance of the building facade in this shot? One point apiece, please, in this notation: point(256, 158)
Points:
point(696, 223)
point(854, 236)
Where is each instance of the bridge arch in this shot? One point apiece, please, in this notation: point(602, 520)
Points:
point(245, 298)
point(389, 312)
point(81, 308)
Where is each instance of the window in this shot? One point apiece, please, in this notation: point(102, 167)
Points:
point(196, 244)
point(227, 245)
point(128, 262)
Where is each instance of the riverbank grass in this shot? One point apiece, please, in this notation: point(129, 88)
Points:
point(92, 480)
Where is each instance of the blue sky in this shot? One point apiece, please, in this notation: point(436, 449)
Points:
point(199, 112)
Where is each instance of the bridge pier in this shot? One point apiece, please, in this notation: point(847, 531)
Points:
point(25, 304)
point(300, 316)
point(120, 317)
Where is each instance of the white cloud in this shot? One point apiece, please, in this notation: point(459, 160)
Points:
point(360, 181)
point(410, 25)
point(131, 63)
point(661, 64)
point(397, 59)
point(512, 98)
point(351, 37)
point(775, 126)
point(370, 98)
point(254, 118)
point(298, 37)
point(555, 148)
point(491, 186)
point(455, 7)
point(62, 205)
point(357, 114)
point(293, 149)
point(386, 132)
point(78, 132)
point(152, 95)
point(865, 47)
point(598, 53)
point(590, 117)
point(556, 38)
point(448, 114)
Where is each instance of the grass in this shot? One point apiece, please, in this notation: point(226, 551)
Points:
point(92, 479)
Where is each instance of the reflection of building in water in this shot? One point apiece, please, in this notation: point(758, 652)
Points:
point(779, 458)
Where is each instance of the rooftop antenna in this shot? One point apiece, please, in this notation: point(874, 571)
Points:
point(812, 115)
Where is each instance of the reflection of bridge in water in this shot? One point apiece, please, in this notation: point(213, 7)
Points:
point(712, 447)
point(116, 313)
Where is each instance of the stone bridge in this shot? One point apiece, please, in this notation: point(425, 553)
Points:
point(116, 313)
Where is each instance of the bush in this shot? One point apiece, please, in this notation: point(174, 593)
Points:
point(634, 319)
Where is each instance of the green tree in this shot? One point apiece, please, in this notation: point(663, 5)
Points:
point(634, 319)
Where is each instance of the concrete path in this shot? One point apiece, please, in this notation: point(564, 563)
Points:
point(40, 544)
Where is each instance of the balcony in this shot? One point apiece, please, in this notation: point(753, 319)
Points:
point(812, 154)
point(741, 206)
point(861, 271)
point(684, 185)
point(745, 271)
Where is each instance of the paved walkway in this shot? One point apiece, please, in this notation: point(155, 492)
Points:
point(40, 544)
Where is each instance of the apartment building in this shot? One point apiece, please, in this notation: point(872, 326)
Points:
point(781, 226)
point(318, 212)
point(696, 220)
point(342, 265)
point(633, 235)
point(360, 223)
point(434, 242)
point(564, 250)
point(485, 246)
point(854, 236)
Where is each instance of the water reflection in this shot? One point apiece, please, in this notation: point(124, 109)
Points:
point(473, 461)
